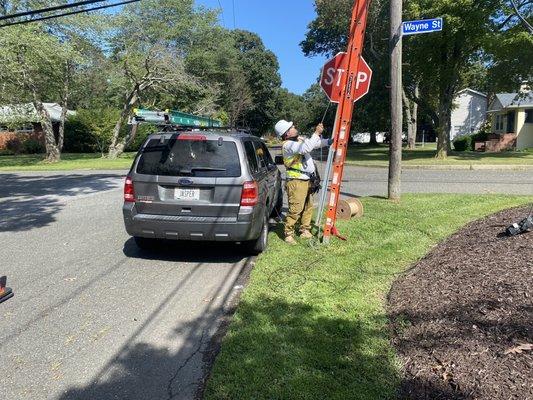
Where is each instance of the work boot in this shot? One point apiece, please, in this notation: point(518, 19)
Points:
point(305, 234)
point(290, 240)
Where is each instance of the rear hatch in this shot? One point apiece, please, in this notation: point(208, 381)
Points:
point(188, 174)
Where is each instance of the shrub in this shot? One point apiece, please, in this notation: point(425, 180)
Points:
point(33, 146)
point(14, 145)
point(78, 137)
point(142, 133)
point(462, 143)
point(90, 130)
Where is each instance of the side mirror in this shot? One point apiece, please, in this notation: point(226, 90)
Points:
point(278, 160)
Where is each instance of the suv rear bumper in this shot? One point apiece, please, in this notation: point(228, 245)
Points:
point(230, 229)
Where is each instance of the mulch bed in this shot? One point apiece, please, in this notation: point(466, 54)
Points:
point(462, 318)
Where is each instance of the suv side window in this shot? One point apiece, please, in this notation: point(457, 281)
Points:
point(263, 154)
point(250, 155)
point(268, 156)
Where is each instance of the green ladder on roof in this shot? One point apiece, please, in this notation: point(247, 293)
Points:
point(174, 117)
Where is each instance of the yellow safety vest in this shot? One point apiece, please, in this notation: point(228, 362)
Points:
point(295, 162)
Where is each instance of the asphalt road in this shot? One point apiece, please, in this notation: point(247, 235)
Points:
point(95, 318)
point(92, 316)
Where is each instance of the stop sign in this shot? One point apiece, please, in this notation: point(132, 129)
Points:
point(334, 71)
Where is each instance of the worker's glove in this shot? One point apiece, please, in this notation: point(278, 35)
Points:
point(330, 141)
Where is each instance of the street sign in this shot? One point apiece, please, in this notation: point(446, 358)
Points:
point(422, 26)
point(332, 75)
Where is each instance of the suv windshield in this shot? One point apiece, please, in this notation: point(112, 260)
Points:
point(189, 155)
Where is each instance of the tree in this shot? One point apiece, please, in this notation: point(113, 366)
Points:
point(328, 34)
point(37, 67)
point(150, 43)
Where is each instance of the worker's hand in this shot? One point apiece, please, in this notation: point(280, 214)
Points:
point(330, 141)
point(319, 129)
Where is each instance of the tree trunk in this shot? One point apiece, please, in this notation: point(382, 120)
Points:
point(64, 108)
point(53, 153)
point(373, 138)
point(442, 133)
point(61, 137)
point(124, 143)
point(408, 116)
point(414, 121)
point(411, 113)
point(116, 148)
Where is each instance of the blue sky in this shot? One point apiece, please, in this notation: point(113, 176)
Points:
point(282, 25)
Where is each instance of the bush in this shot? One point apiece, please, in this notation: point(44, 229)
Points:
point(90, 131)
point(462, 143)
point(78, 136)
point(14, 145)
point(142, 133)
point(33, 146)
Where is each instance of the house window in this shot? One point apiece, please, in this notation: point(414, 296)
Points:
point(499, 122)
point(529, 116)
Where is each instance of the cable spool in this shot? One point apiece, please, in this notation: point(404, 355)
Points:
point(348, 208)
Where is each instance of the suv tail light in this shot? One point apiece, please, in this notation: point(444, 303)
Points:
point(250, 194)
point(129, 193)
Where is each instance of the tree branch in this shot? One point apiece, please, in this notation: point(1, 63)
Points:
point(526, 24)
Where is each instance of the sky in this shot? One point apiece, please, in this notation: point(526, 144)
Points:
point(282, 25)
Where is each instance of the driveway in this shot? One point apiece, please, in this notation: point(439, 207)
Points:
point(95, 318)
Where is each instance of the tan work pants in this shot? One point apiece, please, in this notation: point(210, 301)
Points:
point(300, 205)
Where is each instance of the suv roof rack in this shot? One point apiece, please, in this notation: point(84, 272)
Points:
point(180, 128)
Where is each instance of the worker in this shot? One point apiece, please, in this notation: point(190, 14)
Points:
point(300, 172)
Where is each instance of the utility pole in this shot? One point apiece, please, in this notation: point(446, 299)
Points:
point(395, 149)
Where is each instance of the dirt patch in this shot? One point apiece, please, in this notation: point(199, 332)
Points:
point(462, 318)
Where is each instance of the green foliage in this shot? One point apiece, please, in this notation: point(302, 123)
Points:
point(90, 130)
point(462, 143)
point(143, 132)
point(32, 146)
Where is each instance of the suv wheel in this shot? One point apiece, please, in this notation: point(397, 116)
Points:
point(259, 245)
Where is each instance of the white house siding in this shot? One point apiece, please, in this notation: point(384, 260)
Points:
point(524, 139)
point(469, 114)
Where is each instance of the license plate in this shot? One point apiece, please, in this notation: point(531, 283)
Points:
point(187, 194)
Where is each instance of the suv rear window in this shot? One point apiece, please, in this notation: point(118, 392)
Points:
point(189, 155)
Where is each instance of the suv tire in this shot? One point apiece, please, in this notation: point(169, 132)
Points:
point(259, 245)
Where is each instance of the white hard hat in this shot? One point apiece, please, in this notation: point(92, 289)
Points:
point(282, 126)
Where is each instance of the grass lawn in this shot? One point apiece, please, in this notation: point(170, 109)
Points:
point(312, 322)
point(379, 156)
point(69, 161)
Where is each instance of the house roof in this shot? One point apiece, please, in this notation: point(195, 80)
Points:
point(471, 91)
point(512, 100)
point(26, 113)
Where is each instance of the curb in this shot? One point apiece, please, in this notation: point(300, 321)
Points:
point(503, 167)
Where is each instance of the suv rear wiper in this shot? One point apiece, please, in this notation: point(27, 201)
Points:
point(194, 169)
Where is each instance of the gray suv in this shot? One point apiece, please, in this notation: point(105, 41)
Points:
point(195, 185)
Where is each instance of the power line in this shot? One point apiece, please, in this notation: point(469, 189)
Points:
point(233, 3)
point(222, 13)
point(48, 9)
point(68, 13)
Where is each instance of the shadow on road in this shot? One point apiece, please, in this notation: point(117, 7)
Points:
point(322, 357)
point(187, 251)
point(32, 201)
point(141, 370)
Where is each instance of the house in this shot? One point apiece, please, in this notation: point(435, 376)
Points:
point(469, 113)
point(21, 122)
point(512, 116)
